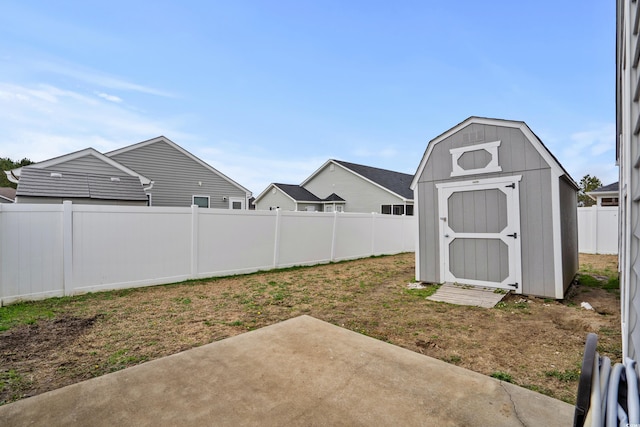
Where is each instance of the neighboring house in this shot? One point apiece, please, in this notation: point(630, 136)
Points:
point(495, 208)
point(7, 195)
point(343, 187)
point(607, 195)
point(291, 197)
point(179, 177)
point(627, 156)
point(167, 175)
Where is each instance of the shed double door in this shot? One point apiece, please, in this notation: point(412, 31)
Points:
point(480, 232)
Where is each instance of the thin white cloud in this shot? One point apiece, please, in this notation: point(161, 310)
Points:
point(590, 151)
point(44, 121)
point(97, 78)
point(108, 97)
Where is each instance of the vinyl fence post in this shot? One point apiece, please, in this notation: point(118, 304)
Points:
point(67, 247)
point(194, 242)
point(595, 228)
point(373, 232)
point(276, 241)
point(333, 236)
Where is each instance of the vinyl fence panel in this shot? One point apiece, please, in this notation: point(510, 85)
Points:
point(56, 250)
point(598, 230)
point(234, 242)
point(31, 263)
point(139, 246)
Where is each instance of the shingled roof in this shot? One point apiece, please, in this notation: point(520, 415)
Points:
point(46, 183)
point(297, 193)
point(606, 188)
point(396, 182)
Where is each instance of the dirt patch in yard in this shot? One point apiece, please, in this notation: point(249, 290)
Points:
point(533, 342)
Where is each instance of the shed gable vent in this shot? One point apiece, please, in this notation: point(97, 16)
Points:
point(115, 179)
point(475, 159)
point(56, 175)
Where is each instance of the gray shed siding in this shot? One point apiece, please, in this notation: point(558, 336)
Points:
point(87, 165)
point(176, 176)
point(516, 157)
point(279, 199)
point(360, 195)
point(569, 231)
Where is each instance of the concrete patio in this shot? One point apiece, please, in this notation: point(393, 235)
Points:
point(301, 372)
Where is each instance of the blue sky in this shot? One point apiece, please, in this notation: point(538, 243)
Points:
point(267, 91)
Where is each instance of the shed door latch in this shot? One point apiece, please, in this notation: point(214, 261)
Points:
point(514, 235)
point(512, 185)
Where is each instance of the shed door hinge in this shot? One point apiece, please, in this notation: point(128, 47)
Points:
point(514, 235)
point(512, 185)
point(515, 285)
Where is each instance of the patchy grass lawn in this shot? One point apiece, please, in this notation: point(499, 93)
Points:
point(536, 343)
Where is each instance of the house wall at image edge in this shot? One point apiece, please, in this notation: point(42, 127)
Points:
point(516, 156)
point(360, 195)
point(176, 176)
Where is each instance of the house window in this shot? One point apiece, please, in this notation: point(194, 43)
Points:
point(328, 208)
point(339, 208)
point(609, 201)
point(236, 205)
point(149, 201)
point(201, 201)
point(397, 209)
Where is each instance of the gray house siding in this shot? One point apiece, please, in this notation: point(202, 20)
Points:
point(360, 195)
point(87, 165)
point(569, 230)
point(177, 177)
point(279, 199)
point(516, 157)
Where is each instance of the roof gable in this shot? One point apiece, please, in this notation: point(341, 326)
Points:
point(298, 193)
point(15, 174)
point(165, 140)
point(607, 188)
point(391, 181)
point(531, 137)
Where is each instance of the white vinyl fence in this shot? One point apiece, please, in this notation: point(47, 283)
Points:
point(598, 230)
point(56, 250)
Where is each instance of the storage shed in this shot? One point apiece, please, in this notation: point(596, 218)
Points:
point(495, 209)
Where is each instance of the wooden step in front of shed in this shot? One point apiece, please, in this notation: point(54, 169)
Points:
point(453, 293)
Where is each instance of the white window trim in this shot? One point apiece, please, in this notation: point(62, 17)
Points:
point(237, 199)
point(193, 199)
point(489, 147)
